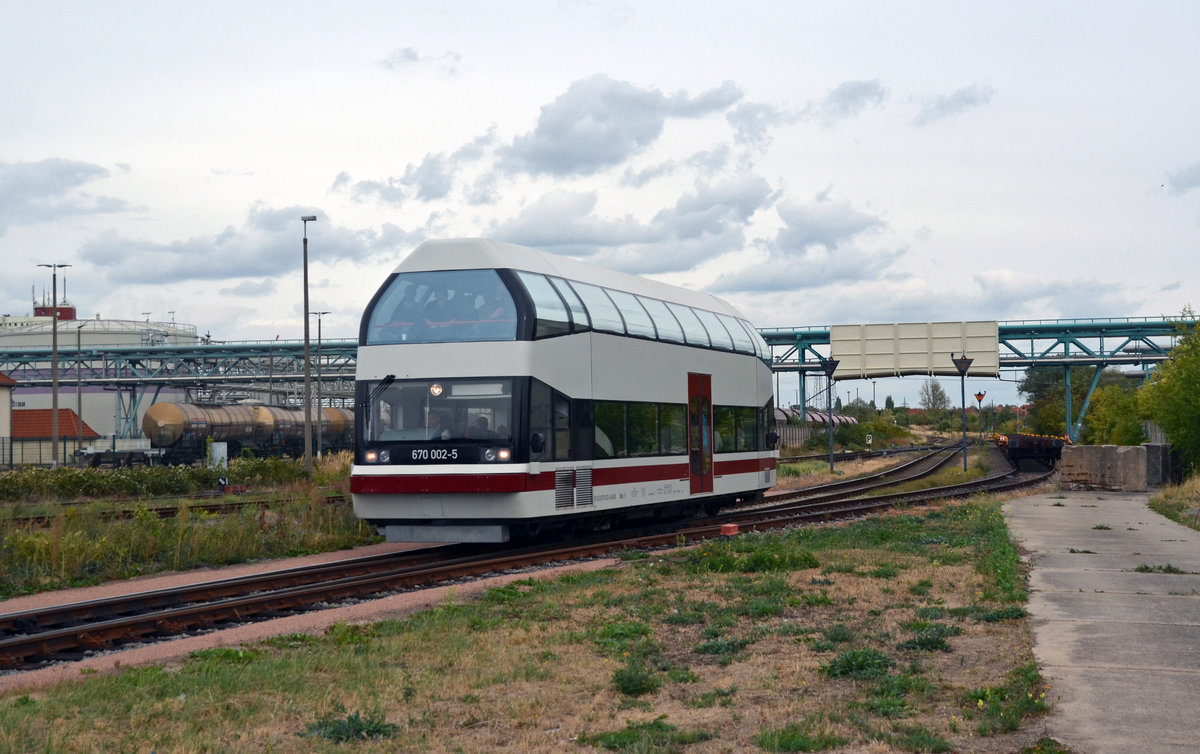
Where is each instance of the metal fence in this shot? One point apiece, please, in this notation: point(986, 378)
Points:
point(14, 453)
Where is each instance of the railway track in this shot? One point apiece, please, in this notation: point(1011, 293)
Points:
point(192, 504)
point(862, 454)
point(35, 638)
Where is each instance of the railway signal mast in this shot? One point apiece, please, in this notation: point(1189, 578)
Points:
point(306, 219)
point(962, 364)
point(979, 399)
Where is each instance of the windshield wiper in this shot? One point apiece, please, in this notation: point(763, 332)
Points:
point(384, 384)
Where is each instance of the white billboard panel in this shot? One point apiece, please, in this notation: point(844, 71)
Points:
point(924, 348)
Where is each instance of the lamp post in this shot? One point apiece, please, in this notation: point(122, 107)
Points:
point(320, 410)
point(979, 399)
point(54, 360)
point(829, 366)
point(79, 384)
point(962, 364)
point(306, 219)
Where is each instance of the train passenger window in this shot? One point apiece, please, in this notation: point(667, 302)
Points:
point(724, 429)
point(761, 349)
point(766, 423)
point(637, 321)
point(672, 428)
point(747, 428)
point(610, 429)
point(692, 329)
point(552, 317)
point(579, 315)
point(562, 428)
point(741, 341)
point(666, 324)
point(716, 331)
point(600, 308)
point(643, 429)
point(540, 420)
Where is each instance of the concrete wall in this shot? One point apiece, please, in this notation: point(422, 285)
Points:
point(1120, 468)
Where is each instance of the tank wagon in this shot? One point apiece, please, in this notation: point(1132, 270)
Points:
point(1045, 450)
point(183, 429)
point(503, 392)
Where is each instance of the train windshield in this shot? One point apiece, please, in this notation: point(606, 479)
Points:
point(425, 411)
point(448, 306)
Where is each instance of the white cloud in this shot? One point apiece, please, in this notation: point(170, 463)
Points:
point(1185, 179)
point(49, 191)
point(957, 102)
point(600, 122)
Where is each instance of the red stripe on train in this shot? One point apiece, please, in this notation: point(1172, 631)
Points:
point(601, 477)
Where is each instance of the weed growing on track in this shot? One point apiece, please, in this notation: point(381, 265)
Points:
point(751, 642)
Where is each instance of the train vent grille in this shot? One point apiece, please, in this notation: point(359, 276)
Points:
point(583, 487)
point(564, 488)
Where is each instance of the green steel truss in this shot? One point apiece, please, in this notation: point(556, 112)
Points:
point(1026, 344)
point(217, 371)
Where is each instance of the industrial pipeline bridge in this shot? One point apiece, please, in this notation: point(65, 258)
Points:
point(223, 371)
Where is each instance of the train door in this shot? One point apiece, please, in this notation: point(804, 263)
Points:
point(700, 432)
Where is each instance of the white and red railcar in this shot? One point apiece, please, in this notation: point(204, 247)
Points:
point(503, 391)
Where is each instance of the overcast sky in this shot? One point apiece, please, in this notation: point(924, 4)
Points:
point(814, 163)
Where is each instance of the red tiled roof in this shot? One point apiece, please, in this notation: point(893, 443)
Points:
point(38, 424)
point(6, 380)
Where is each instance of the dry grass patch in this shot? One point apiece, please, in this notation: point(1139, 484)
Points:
point(869, 636)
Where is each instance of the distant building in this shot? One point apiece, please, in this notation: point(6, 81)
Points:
point(6, 388)
point(32, 436)
point(97, 404)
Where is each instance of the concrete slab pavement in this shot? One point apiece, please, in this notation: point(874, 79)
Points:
point(1119, 648)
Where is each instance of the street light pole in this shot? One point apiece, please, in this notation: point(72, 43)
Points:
point(962, 364)
point(320, 409)
point(79, 384)
point(306, 219)
point(829, 366)
point(54, 360)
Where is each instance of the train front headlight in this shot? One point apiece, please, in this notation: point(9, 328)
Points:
point(378, 456)
point(385, 455)
point(492, 455)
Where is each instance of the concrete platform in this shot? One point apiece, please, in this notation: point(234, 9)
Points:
point(1120, 649)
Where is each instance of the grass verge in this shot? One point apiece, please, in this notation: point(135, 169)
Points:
point(799, 641)
point(1180, 502)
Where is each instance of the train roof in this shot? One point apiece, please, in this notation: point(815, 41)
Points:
point(484, 253)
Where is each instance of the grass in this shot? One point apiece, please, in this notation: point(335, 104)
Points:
point(1180, 502)
point(654, 654)
point(81, 546)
